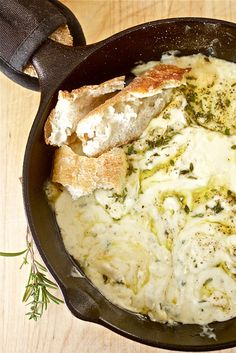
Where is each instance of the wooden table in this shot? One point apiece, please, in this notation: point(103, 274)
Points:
point(58, 331)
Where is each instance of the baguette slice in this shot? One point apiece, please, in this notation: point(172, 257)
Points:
point(123, 118)
point(73, 106)
point(81, 175)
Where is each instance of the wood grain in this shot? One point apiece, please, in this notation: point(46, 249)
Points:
point(58, 331)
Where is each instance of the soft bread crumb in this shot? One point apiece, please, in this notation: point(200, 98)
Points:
point(124, 117)
point(72, 106)
point(81, 175)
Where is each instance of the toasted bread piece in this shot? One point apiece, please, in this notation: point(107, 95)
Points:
point(61, 35)
point(72, 106)
point(81, 175)
point(123, 118)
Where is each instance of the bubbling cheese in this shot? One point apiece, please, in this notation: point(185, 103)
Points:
point(166, 246)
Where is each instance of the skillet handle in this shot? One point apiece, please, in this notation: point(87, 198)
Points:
point(24, 26)
point(54, 61)
point(82, 301)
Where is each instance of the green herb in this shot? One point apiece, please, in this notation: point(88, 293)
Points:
point(172, 162)
point(190, 85)
point(184, 171)
point(37, 292)
point(186, 209)
point(38, 289)
point(161, 140)
point(131, 169)
point(131, 150)
point(192, 177)
point(191, 78)
point(234, 84)
point(120, 197)
point(210, 86)
point(105, 278)
point(227, 131)
point(208, 116)
point(227, 102)
point(233, 147)
point(198, 215)
point(192, 97)
point(207, 281)
point(229, 193)
point(12, 254)
point(190, 110)
point(217, 208)
point(166, 116)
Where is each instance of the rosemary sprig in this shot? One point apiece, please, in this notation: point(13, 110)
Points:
point(37, 293)
point(12, 254)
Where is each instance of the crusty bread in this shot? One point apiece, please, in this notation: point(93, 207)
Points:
point(61, 35)
point(30, 70)
point(123, 118)
point(81, 175)
point(73, 106)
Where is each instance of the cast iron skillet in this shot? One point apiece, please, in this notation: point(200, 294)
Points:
point(61, 67)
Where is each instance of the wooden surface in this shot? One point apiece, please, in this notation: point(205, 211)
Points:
point(57, 331)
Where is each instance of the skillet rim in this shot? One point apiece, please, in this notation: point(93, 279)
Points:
point(43, 104)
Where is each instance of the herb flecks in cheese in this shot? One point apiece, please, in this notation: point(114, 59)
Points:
point(166, 245)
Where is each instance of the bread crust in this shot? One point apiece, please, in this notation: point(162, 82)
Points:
point(62, 35)
point(82, 175)
point(72, 106)
point(153, 82)
point(156, 78)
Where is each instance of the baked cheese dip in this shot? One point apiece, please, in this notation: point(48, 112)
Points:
point(165, 245)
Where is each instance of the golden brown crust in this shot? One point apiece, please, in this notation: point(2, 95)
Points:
point(151, 80)
point(48, 126)
point(151, 83)
point(62, 35)
point(88, 174)
point(156, 77)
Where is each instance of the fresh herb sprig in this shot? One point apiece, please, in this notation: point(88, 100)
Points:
point(37, 293)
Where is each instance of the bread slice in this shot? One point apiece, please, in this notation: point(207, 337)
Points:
point(123, 118)
point(81, 175)
point(73, 106)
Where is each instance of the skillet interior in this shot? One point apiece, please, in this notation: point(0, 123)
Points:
point(110, 58)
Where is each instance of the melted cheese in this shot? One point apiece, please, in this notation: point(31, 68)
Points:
point(166, 246)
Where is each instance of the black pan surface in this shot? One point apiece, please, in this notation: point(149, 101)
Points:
point(65, 68)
